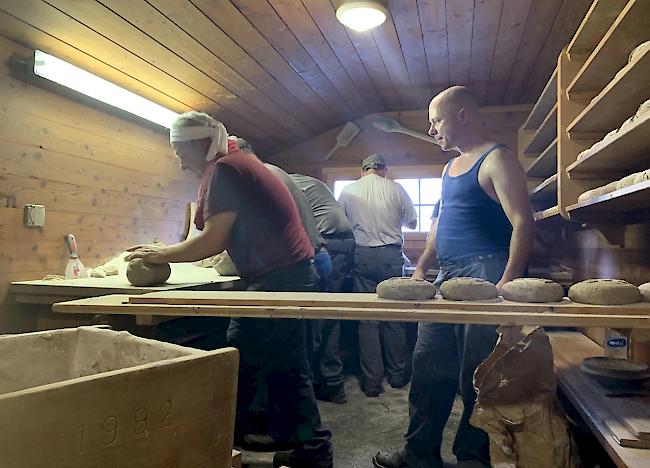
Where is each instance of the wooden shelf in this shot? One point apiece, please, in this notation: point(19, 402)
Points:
point(629, 149)
point(597, 21)
point(629, 199)
point(618, 101)
point(545, 164)
point(611, 54)
point(546, 190)
point(544, 104)
point(545, 134)
point(547, 214)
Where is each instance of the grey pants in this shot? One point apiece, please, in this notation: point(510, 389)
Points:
point(444, 360)
point(371, 266)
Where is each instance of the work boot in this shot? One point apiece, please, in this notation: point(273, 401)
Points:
point(331, 393)
point(289, 459)
point(401, 459)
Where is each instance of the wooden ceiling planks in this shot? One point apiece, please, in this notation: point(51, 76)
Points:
point(460, 17)
point(485, 30)
point(511, 29)
point(323, 15)
point(279, 72)
point(409, 31)
point(541, 17)
point(567, 23)
point(433, 20)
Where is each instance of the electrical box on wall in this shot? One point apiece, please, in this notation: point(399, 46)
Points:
point(34, 215)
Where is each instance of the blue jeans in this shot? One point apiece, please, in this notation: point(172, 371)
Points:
point(445, 358)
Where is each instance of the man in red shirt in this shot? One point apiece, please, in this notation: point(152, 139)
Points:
point(243, 207)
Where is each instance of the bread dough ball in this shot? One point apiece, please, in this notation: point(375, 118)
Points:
point(406, 289)
point(532, 290)
point(468, 289)
point(141, 273)
point(645, 291)
point(605, 292)
point(638, 51)
point(643, 108)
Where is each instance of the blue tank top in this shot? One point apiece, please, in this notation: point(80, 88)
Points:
point(471, 223)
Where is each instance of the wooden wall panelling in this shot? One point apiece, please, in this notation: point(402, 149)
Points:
point(487, 17)
point(511, 28)
point(200, 27)
point(264, 18)
point(532, 42)
point(43, 17)
point(406, 18)
point(323, 16)
point(433, 19)
point(213, 80)
point(398, 149)
point(111, 182)
point(460, 16)
point(239, 29)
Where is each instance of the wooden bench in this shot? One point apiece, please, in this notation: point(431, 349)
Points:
point(615, 422)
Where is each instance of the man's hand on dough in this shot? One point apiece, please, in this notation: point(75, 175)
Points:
point(418, 275)
point(149, 253)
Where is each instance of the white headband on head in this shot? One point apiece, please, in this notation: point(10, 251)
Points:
point(218, 135)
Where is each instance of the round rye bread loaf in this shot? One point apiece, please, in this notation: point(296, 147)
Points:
point(141, 273)
point(605, 292)
point(645, 291)
point(468, 289)
point(532, 290)
point(406, 289)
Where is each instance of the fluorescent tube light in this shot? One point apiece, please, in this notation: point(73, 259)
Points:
point(70, 76)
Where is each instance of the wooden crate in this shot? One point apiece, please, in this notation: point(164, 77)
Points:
point(92, 397)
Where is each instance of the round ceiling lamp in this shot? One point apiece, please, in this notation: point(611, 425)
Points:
point(362, 16)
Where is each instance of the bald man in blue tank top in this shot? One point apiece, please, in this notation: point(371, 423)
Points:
point(484, 230)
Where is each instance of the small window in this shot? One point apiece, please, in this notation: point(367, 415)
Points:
point(424, 194)
point(339, 185)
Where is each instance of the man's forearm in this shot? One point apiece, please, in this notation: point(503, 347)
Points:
point(191, 250)
point(521, 246)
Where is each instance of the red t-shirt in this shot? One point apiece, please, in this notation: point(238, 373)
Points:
point(267, 233)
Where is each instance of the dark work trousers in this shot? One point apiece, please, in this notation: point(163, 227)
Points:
point(273, 351)
point(372, 265)
point(445, 357)
point(327, 365)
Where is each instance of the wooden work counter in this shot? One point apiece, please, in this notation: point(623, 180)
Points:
point(614, 420)
point(359, 307)
point(47, 292)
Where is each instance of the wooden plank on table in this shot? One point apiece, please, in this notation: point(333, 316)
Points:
point(485, 30)
point(119, 304)
point(511, 29)
point(370, 300)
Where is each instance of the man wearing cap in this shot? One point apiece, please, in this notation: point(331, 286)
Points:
point(377, 208)
point(244, 207)
point(336, 231)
